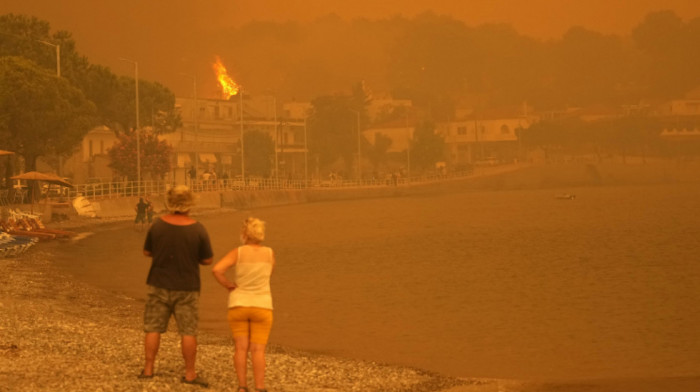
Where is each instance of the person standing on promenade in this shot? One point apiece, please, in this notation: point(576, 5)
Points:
point(141, 207)
point(177, 245)
point(149, 210)
point(250, 300)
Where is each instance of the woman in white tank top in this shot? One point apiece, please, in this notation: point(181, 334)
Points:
point(249, 301)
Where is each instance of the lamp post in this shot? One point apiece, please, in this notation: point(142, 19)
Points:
point(58, 56)
point(408, 151)
point(195, 113)
point(138, 131)
point(58, 74)
point(306, 156)
point(277, 169)
point(240, 93)
point(359, 133)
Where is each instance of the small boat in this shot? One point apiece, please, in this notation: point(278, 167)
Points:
point(12, 245)
point(565, 196)
point(31, 233)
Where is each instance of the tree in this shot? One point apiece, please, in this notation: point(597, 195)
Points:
point(377, 153)
point(155, 154)
point(433, 61)
point(427, 147)
point(333, 127)
point(42, 114)
point(259, 149)
point(670, 54)
point(588, 68)
point(113, 96)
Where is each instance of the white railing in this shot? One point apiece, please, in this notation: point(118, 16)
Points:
point(109, 190)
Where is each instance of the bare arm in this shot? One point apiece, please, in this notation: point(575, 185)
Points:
point(223, 265)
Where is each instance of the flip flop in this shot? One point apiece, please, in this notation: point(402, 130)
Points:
point(197, 381)
point(141, 375)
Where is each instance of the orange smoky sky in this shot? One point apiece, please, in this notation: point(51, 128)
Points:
point(170, 36)
point(537, 18)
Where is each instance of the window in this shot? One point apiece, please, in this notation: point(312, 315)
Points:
point(461, 130)
point(505, 129)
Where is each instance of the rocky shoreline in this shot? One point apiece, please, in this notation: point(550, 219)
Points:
point(60, 335)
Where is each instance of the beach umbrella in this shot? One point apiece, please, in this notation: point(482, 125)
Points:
point(34, 177)
point(45, 177)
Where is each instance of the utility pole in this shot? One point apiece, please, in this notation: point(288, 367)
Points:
point(58, 56)
point(195, 113)
point(306, 156)
point(138, 126)
point(240, 91)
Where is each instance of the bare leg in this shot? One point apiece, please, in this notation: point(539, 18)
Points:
point(240, 359)
point(189, 353)
point(257, 352)
point(151, 344)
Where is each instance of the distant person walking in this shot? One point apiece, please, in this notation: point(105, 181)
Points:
point(141, 208)
point(149, 210)
point(249, 301)
point(178, 245)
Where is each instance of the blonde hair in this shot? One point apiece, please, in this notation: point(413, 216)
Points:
point(253, 230)
point(179, 199)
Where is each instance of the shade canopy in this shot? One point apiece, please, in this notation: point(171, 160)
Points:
point(46, 177)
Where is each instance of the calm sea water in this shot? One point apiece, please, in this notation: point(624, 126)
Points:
point(504, 284)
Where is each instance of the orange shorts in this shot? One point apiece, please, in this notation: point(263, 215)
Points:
point(252, 322)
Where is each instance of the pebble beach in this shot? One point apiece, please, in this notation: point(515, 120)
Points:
point(60, 335)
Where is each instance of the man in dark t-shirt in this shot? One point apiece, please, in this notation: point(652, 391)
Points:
point(141, 208)
point(178, 245)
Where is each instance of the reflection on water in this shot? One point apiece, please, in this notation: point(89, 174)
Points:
point(510, 284)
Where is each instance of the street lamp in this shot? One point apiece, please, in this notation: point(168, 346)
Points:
point(138, 135)
point(277, 169)
point(408, 151)
point(359, 133)
point(58, 74)
point(240, 92)
point(306, 156)
point(196, 122)
point(58, 56)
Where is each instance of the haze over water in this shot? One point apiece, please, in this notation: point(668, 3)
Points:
point(505, 284)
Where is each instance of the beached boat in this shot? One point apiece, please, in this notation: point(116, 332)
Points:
point(12, 245)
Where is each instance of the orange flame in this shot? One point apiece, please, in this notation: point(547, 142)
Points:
point(228, 86)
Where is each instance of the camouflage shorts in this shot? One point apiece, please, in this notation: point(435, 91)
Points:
point(162, 303)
